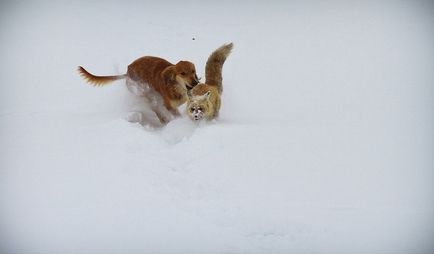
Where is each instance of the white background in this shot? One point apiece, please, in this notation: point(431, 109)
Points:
point(324, 144)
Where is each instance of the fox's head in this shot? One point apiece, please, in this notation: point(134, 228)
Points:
point(199, 107)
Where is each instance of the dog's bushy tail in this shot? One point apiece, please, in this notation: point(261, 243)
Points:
point(97, 80)
point(214, 66)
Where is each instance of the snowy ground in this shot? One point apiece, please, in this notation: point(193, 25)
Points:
point(325, 142)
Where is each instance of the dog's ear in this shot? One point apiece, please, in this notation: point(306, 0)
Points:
point(169, 75)
point(207, 94)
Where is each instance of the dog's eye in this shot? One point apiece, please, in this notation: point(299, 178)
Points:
point(191, 110)
point(200, 109)
point(183, 73)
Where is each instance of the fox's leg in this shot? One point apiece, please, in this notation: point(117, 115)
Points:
point(217, 108)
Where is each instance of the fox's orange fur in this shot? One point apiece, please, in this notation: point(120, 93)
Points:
point(205, 99)
point(170, 81)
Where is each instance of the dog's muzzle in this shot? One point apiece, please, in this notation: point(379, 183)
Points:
point(194, 83)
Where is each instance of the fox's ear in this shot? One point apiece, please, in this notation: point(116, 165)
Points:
point(169, 74)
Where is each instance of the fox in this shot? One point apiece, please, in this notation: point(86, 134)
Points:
point(204, 99)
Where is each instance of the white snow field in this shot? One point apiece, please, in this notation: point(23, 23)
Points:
point(324, 142)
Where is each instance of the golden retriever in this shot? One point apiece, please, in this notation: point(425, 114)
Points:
point(163, 83)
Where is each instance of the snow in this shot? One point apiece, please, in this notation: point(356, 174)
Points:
point(324, 142)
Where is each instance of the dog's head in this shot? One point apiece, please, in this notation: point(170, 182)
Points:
point(183, 73)
point(199, 106)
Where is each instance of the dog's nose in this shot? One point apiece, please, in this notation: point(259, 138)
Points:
point(194, 82)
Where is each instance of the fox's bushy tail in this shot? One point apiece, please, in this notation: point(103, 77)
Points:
point(214, 65)
point(97, 80)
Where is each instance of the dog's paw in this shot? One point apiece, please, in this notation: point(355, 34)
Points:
point(134, 117)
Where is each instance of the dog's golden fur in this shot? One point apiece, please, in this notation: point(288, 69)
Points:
point(170, 81)
point(204, 100)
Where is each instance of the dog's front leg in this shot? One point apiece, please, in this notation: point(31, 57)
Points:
point(163, 119)
point(158, 106)
point(173, 110)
